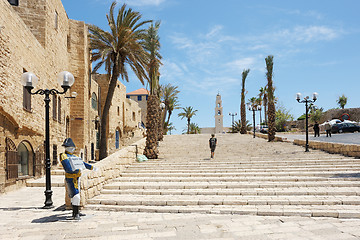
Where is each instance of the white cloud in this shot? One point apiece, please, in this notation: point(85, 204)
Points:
point(144, 2)
point(305, 34)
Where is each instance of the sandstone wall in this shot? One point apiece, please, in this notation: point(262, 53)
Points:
point(109, 168)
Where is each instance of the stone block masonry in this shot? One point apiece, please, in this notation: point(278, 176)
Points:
point(92, 182)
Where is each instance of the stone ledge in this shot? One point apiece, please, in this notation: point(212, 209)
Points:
point(350, 150)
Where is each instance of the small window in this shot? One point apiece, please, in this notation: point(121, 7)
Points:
point(147, 97)
point(59, 110)
point(54, 98)
point(14, 2)
point(118, 111)
point(94, 102)
point(68, 42)
point(139, 98)
point(56, 20)
point(133, 116)
point(26, 99)
point(219, 112)
point(127, 96)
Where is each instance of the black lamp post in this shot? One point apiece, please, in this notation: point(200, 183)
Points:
point(29, 81)
point(306, 100)
point(232, 120)
point(254, 108)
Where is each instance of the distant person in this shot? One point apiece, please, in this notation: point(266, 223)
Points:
point(317, 129)
point(328, 129)
point(212, 144)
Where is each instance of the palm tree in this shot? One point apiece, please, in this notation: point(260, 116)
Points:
point(117, 49)
point(259, 102)
point(168, 96)
point(173, 104)
point(271, 98)
point(151, 44)
point(242, 108)
point(194, 128)
point(170, 127)
point(188, 113)
point(342, 101)
point(263, 96)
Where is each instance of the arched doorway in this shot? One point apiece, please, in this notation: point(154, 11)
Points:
point(26, 159)
point(117, 139)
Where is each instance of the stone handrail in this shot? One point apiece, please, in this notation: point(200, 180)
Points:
point(109, 168)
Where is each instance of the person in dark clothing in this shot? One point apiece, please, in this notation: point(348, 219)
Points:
point(212, 144)
point(317, 129)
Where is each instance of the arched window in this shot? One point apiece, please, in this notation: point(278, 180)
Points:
point(26, 156)
point(94, 101)
point(219, 112)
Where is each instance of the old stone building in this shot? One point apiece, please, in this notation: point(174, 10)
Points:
point(37, 36)
point(124, 119)
point(140, 96)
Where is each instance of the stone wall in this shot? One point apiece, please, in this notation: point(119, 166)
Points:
point(350, 150)
point(92, 182)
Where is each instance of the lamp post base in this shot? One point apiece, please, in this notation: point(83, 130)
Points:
point(48, 202)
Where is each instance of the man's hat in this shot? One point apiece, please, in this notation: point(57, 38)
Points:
point(68, 143)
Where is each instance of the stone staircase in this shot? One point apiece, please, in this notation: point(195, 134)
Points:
point(248, 176)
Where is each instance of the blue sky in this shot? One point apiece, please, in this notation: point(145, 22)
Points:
point(206, 45)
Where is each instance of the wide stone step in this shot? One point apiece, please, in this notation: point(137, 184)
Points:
point(354, 175)
point(291, 191)
point(251, 184)
point(336, 211)
point(240, 178)
point(56, 181)
point(186, 200)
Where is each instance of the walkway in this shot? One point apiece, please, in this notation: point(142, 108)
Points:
point(270, 178)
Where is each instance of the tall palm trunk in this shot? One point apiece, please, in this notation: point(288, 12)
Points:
point(265, 109)
point(271, 98)
point(105, 113)
point(151, 150)
point(188, 126)
point(242, 108)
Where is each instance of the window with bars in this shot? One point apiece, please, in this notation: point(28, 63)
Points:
point(59, 109)
point(54, 110)
point(54, 155)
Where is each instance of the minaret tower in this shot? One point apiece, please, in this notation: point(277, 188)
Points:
point(218, 114)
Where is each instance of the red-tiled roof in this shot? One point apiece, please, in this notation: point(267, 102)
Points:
point(141, 91)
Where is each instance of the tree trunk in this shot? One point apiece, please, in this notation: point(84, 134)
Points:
point(188, 126)
point(151, 150)
point(105, 113)
point(271, 121)
point(159, 124)
point(243, 115)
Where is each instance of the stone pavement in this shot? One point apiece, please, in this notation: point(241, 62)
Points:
point(21, 216)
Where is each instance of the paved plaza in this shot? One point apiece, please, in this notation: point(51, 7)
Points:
point(251, 190)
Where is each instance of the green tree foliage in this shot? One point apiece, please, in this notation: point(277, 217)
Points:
point(316, 114)
point(282, 116)
point(236, 127)
point(342, 101)
point(188, 113)
point(118, 49)
point(169, 96)
point(194, 128)
point(242, 105)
